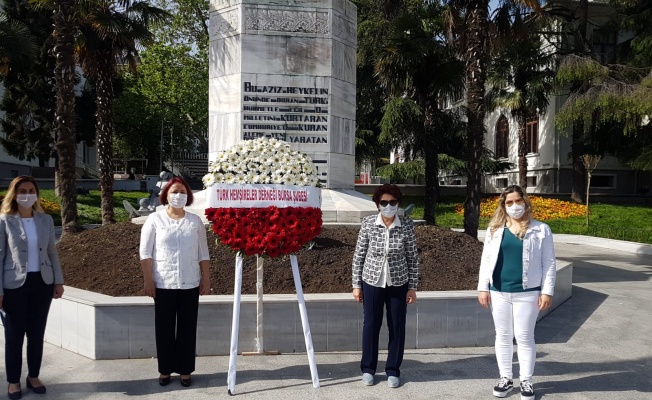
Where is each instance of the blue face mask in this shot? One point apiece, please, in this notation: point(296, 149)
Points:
point(389, 210)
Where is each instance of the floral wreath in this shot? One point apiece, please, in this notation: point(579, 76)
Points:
point(269, 230)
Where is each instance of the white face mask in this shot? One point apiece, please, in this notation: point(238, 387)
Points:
point(389, 210)
point(178, 200)
point(515, 211)
point(26, 200)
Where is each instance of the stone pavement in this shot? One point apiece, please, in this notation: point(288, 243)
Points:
point(595, 346)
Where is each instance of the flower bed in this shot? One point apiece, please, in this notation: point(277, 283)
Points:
point(544, 208)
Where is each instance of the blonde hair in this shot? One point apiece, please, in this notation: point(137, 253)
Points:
point(500, 216)
point(9, 204)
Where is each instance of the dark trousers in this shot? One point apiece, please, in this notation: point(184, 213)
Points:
point(27, 313)
point(375, 300)
point(175, 314)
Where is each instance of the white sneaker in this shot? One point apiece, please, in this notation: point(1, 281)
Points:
point(527, 391)
point(503, 387)
point(367, 379)
point(393, 381)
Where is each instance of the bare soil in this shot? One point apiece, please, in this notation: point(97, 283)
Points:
point(105, 260)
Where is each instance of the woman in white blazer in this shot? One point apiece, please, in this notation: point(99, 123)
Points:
point(175, 262)
point(30, 279)
point(517, 279)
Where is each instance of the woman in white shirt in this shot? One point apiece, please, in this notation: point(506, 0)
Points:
point(517, 279)
point(31, 277)
point(175, 262)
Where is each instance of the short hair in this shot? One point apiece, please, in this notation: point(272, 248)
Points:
point(9, 204)
point(387, 188)
point(163, 197)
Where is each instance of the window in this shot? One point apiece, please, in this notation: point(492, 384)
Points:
point(532, 133)
point(604, 46)
point(501, 183)
point(502, 137)
point(603, 181)
point(531, 181)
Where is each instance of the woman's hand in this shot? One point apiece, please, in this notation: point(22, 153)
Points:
point(58, 292)
point(545, 301)
point(205, 285)
point(411, 296)
point(484, 298)
point(149, 288)
point(357, 295)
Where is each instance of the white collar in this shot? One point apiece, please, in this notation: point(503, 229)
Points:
point(395, 223)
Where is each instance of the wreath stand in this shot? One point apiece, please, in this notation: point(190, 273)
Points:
point(231, 376)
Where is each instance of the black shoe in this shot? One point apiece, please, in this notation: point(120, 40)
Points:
point(185, 382)
point(35, 389)
point(527, 391)
point(503, 387)
point(15, 395)
point(164, 381)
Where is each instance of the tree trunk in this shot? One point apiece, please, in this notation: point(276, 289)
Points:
point(577, 146)
point(476, 62)
point(588, 186)
point(64, 121)
point(104, 132)
point(432, 178)
point(577, 149)
point(522, 151)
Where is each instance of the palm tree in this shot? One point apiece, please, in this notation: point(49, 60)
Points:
point(110, 33)
point(64, 121)
point(520, 74)
point(17, 46)
point(418, 71)
point(468, 28)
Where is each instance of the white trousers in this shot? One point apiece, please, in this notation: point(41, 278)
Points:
point(515, 315)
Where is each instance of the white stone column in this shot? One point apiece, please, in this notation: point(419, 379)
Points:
point(286, 70)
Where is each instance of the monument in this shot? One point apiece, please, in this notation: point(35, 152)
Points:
point(286, 70)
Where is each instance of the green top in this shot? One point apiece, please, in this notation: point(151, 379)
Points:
point(508, 274)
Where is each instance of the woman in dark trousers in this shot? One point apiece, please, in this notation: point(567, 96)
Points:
point(385, 274)
point(175, 262)
point(31, 278)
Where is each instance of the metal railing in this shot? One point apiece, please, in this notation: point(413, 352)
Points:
point(90, 171)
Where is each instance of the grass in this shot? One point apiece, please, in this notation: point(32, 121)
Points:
point(624, 222)
point(613, 221)
point(88, 206)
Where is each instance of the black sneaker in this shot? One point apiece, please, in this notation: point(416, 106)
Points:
point(527, 391)
point(503, 387)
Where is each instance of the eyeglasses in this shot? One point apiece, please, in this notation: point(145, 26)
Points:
point(384, 203)
point(509, 203)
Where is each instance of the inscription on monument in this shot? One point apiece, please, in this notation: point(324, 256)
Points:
point(290, 113)
point(286, 20)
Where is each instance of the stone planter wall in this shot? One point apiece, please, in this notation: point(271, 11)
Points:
point(104, 327)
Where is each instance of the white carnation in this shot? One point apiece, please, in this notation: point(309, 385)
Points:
point(208, 179)
point(229, 178)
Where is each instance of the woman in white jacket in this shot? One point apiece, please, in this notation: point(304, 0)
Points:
point(517, 279)
point(175, 262)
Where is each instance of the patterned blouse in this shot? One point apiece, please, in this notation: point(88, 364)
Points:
point(370, 254)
